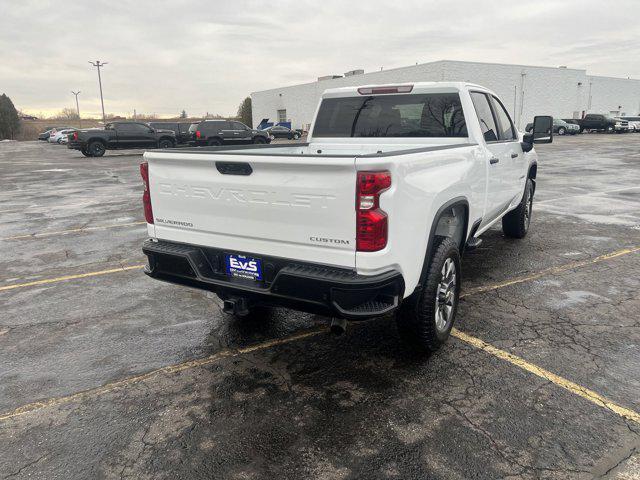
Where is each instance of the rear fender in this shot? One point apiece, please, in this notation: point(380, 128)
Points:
point(437, 229)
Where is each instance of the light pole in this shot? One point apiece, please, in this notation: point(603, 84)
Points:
point(77, 107)
point(97, 64)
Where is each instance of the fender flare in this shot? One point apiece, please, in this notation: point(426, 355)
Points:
point(432, 233)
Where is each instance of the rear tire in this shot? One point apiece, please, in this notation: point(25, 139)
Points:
point(85, 152)
point(296, 136)
point(96, 149)
point(515, 224)
point(426, 318)
point(214, 142)
point(165, 144)
point(561, 131)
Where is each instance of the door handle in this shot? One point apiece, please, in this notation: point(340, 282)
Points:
point(514, 155)
point(494, 160)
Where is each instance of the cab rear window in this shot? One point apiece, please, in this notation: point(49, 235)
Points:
point(415, 115)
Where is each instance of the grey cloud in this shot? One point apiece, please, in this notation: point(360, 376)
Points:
point(206, 56)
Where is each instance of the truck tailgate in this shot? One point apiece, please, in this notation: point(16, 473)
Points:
point(296, 207)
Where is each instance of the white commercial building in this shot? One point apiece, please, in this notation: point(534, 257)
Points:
point(525, 90)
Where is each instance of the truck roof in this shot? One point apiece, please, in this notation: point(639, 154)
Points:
point(418, 87)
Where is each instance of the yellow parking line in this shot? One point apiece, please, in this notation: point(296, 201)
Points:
point(562, 382)
point(552, 271)
point(72, 230)
point(572, 387)
point(70, 277)
point(169, 369)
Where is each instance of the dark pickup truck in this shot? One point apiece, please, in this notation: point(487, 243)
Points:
point(599, 122)
point(95, 142)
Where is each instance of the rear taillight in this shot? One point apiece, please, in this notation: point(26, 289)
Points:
point(146, 195)
point(75, 135)
point(371, 220)
point(198, 134)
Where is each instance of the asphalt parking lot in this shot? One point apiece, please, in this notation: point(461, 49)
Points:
point(105, 373)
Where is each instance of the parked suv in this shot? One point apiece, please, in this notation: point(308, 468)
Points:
point(180, 129)
point(634, 123)
point(227, 132)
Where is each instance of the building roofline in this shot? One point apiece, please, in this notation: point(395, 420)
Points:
point(444, 61)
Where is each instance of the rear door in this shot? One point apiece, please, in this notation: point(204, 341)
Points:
point(498, 173)
point(126, 135)
point(227, 132)
point(294, 207)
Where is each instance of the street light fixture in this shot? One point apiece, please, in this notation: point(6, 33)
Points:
point(97, 64)
point(77, 107)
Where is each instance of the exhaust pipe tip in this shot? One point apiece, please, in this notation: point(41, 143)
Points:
point(338, 326)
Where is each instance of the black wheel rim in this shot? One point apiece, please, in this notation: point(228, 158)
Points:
point(98, 149)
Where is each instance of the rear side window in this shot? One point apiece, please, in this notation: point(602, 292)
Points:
point(485, 116)
point(505, 126)
point(416, 115)
point(214, 126)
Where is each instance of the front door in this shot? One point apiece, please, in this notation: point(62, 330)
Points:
point(240, 132)
point(516, 166)
point(498, 193)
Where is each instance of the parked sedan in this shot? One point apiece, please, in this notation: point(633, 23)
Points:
point(60, 136)
point(560, 127)
point(44, 136)
point(278, 131)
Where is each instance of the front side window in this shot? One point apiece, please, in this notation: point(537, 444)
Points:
point(506, 130)
point(237, 126)
point(140, 128)
point(415, 115)
point(485, 116)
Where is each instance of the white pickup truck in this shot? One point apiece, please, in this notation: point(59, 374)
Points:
point(370, 216)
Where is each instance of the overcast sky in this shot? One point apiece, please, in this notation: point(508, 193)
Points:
point(165, 56)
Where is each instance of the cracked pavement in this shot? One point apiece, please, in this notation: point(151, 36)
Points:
point(321, 407)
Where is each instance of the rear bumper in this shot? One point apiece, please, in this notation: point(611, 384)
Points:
point(330, 291)
point(75, 145)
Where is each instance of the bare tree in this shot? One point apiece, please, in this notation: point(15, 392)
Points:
point(68, 114)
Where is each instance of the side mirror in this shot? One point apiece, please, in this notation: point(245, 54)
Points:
point(543, 129)
point(541, 132)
